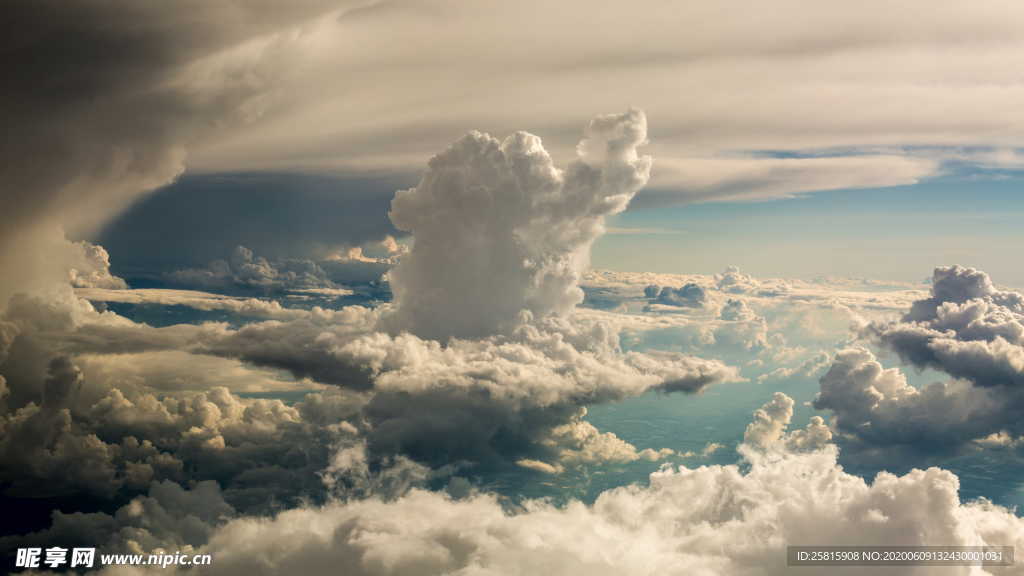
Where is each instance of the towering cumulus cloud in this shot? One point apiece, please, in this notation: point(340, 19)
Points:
point(452, 374)
point(499, 229)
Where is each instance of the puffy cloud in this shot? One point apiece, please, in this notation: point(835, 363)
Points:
point(499, 229)
point(512, 394)
point(699, 292)
point(92, 270)
point(709, 449)
point(768, 429)
point(43, 453)
point(580, 442)
point(780, 328)
point(8, 331)
point(688, 295)
point(878, 412)
point(867, 299)
point(123, 421)
point(246, 270)
point(169, 517)
point(709, 520)
point(735, 282)
point(351, 474)
point(265, 453)
point(735, 310)
point(967, 328)
point(490, 401)
point(501, 398)
point(368, 263)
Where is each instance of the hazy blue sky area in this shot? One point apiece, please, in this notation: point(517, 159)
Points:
point(898, 233)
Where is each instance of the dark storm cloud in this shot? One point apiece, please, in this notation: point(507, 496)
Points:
point(97, 107)
point(169, 517)
point(203, 218)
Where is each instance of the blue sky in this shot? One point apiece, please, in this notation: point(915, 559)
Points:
point(897, 233)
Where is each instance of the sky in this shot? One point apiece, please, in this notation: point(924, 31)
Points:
point(484, 288)
point(882, 233)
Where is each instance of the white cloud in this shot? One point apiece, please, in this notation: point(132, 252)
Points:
point(739, 178)
point(719, 520)
point(486, 401)
point(768, 429)
point(690, 295)
point(849, 89)
point(500, 230)
point(90, 268)
point(967, 328)
point(178, 370)
point(879, 414)
point(252, 307)
point(246, 270)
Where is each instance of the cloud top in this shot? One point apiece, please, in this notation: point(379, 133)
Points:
point(499, 229)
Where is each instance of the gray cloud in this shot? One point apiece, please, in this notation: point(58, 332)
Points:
point(91, 440)
point(688, 295)
point(246, 270)
point(792, 490)
point(99, 107)
point(168, 517)
point(968, 329)
point(794, 100)
point(487, 403)
point(510, 390)
point(878, 407)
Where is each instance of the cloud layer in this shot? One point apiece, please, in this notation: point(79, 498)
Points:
point(710, 520)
